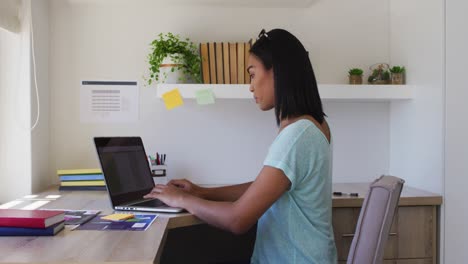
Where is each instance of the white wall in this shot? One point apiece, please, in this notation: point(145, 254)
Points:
point(417, 126)
point(227, 142)
point(456, 165)
point(360, 140)
point(417, 41)
point(40, 135)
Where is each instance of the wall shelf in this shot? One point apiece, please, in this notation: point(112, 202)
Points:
point(247, 3)
point(328, 92)
point(221, 3)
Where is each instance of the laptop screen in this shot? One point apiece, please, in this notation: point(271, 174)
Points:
point(125, 168)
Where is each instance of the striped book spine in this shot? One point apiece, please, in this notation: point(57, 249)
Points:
point(82, 188)
point(81, 177)
point(82, 183)
point(79, 171)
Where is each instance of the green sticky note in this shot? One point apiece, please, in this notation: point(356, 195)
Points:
point(205, 96)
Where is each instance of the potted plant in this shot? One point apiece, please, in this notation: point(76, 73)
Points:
point(170, 55)
point(398, 74)
point(380, 74)
point(355, 76)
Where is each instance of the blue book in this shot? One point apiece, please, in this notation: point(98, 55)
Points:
point(23, 231)
point(82, 188)
point(82, 177)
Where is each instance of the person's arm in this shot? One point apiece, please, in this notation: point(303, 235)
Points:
point(224, 193)
point(237, 217)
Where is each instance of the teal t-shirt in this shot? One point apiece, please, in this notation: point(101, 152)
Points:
point(297, 228)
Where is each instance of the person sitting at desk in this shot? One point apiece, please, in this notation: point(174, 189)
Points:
point(291, 196)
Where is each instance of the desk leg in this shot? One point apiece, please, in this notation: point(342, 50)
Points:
point(162, 245)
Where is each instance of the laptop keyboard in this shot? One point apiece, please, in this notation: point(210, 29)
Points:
point(152, 203)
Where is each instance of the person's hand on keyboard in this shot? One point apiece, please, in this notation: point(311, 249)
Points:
point(188, 187)
point(169, 195)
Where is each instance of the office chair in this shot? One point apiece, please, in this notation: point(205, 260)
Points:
point(375, 220)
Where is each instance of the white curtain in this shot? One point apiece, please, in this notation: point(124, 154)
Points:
point(15, 100)
point(10, 15)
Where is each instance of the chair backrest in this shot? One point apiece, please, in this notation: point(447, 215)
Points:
point(375, 220)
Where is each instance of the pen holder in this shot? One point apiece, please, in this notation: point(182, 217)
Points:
point(159, 173)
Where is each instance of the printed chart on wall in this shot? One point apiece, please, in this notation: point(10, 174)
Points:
point(109, 102)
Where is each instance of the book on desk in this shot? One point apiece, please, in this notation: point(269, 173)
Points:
point(24, 231)
point(16, 222)
point(81, 180)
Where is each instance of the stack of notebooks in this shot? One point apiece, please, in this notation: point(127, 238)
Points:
point(225, 63)
point(81, 179)
point(16, 222)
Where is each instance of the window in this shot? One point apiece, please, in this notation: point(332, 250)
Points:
point(15, 112)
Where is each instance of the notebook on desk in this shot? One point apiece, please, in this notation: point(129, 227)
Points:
point(127, 174)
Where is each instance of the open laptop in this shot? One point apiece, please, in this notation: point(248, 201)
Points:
point(127, 174)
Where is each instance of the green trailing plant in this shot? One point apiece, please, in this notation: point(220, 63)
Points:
point(397, 69)
point(355, 71)
point(183, 52)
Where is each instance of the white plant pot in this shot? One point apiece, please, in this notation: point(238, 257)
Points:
point(167, 75)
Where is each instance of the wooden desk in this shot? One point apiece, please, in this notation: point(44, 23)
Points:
point(92, 246)
point(147, 247)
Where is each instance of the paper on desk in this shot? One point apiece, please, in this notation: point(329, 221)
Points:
point(109, 102)
point(172, 99)
point(205, 96)
point(140, 222)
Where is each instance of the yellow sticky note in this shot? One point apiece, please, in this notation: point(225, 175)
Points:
point(117, 217)
point(172, 99)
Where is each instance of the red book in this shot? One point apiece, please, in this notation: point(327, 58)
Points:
point(30, 218)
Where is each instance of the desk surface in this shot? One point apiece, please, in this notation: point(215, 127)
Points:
point(91, 246)
point(136, 247)
point(409, 196)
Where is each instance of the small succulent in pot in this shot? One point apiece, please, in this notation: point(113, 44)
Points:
point(355, 76)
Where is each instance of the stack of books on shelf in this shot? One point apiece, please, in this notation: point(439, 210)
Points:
point(225, 63)
point(82, 180)
point(16, 222)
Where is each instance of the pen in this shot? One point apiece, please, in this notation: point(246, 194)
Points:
point(343, 193)
point(164, 159)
